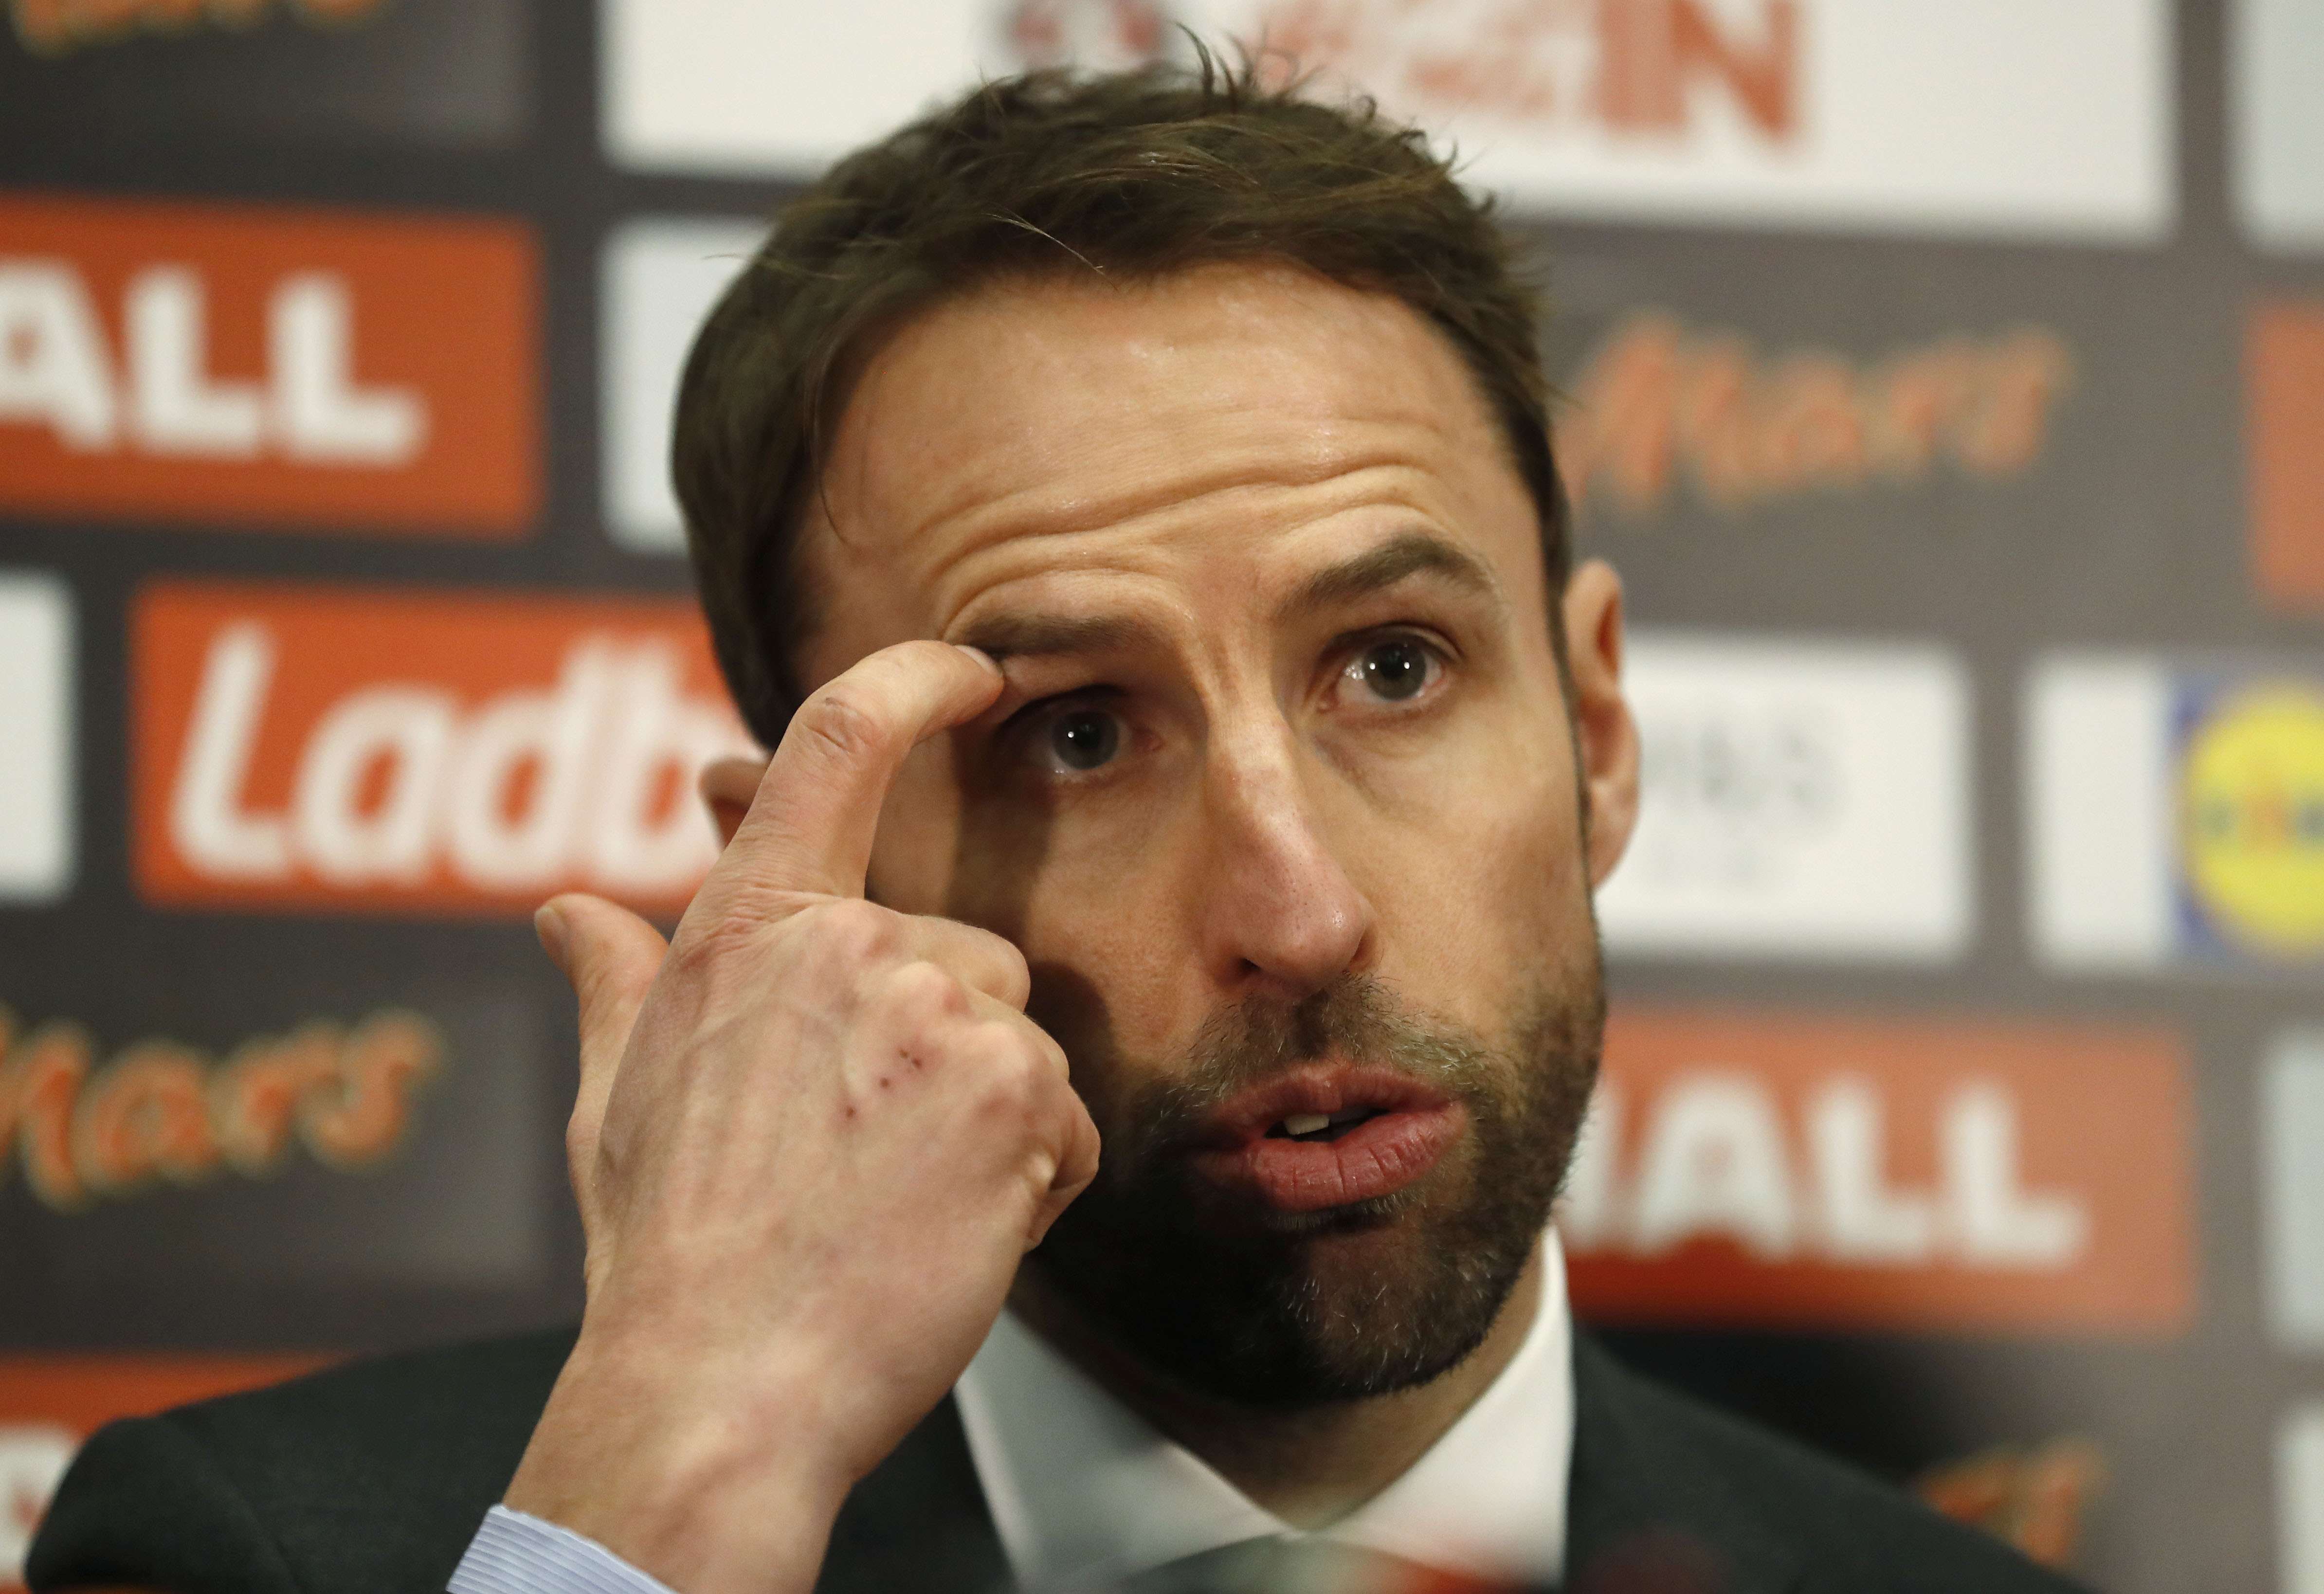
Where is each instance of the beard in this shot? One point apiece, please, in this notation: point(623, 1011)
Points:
point(1279, 1310)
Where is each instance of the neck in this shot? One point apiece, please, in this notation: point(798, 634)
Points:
point(1309, 1466)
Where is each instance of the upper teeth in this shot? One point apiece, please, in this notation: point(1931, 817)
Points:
point(1306, 1123)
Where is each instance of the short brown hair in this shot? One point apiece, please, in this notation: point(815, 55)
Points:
point(1133, 175)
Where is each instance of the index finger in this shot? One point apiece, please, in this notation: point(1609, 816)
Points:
point(811, 824)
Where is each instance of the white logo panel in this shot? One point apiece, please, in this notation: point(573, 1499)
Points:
point(2099, 810)
point(36, 728)
point(659, 278)
point(2300, 1499)
point(2292, 1200)
point(1997, 118)
point(1801, 799)
point(33, 1461)
point(2276, 98)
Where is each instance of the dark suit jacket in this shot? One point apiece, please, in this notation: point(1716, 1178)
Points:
point(371, 1478)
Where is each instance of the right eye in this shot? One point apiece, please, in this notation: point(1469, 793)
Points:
point(1077, 740)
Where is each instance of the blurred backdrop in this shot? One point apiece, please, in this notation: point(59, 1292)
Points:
point(1946, 380)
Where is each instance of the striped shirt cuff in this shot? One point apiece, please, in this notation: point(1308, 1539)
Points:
point(514, 1553)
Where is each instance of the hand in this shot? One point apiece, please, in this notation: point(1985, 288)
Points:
point(813, 1138)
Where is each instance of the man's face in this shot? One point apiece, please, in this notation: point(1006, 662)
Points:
point(1281, 801)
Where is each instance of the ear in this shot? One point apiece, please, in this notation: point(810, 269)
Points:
point(728, 785)
point(1606, 739)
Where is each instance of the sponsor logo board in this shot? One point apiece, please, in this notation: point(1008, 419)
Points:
point(36, 727)
point(2300, 1499)
point(2276, 98)
point(1825, 1173)
point(333, 1141)
point(161, 1111)
point(1984, 116)
point(55, 27)
point(659, 277)
point(317, 747)
point(2174, 813)
point(1659, 409)
point(1798, 799)
point(2291, 1194)
point(449, 73)
point(50, 1404)
point(2283, 431)
point(262, 367)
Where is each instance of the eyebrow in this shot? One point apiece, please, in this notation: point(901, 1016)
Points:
point(1008, 636)
point(1405, 555)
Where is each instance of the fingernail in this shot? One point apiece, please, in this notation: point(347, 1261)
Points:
point(549, 926)
point(981, 656)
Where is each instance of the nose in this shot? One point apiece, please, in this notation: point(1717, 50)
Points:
point(1281, 915)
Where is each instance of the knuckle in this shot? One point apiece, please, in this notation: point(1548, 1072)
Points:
point(927, 993)
point(1009, 1065)
point(999, 1044)
point(856, 931)
point(1008, 963)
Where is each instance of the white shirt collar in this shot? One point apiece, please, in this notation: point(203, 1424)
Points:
point(1083, 1492)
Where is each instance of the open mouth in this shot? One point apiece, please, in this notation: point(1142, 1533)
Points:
point(1312, 1127)
point(1329, 1134)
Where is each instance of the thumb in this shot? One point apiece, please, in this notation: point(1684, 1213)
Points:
point(611, 956)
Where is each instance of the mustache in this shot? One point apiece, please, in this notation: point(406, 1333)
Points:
point(1357, 1018)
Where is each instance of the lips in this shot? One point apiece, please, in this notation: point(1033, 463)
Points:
point(1323, 1135)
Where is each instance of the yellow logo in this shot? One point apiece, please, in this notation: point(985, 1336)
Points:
point(2252, 807)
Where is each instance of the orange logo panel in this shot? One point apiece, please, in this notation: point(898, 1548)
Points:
point(2283, 366)
point(321, 747)
point(1813, 1173)
point(50, 1404)
point(240, 365)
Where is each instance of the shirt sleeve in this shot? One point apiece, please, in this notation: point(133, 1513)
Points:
point(514, 1553)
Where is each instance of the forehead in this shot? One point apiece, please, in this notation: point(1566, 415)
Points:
point(1059, 422)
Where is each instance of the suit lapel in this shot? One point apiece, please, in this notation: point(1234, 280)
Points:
point(1646, 1510)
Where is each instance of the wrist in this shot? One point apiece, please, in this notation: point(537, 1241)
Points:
point(706, 1479)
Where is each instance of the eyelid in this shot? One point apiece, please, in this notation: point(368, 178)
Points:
point(1094, 693)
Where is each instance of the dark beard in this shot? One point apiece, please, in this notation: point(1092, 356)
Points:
point(1275, 1310)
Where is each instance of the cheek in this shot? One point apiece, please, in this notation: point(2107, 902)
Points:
point(1477, 900)
point(1102, 908)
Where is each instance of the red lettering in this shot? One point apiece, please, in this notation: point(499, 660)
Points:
point(1652, 52)
point(55, 25)
point(363, 1118)
point(147, 1116)
point(1763, 80)
point(2007, 422)
point(1654, 402)
point(159, 1113)
point(2034, 1499)
point(50, 1068)
point(257, 1095)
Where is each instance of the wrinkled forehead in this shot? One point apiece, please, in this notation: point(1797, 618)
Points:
point(1012, 426)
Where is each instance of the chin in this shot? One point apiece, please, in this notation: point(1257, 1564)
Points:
point(1305, 1309)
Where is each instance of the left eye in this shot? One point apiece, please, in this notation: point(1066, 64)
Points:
point(1081, 739)
point(1393, 670)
